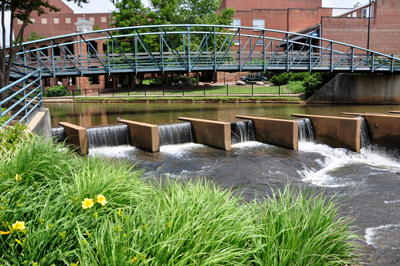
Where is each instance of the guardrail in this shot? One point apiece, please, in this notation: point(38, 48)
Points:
point(25, 97)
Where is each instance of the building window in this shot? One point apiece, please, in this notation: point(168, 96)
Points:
point(19, 21)
point(235, 23)
point(236, 42)
point(68, 20)
point(260, 42)
point(56, 21)
point(354, 14)
point(349, 15)
point(33, 20)
point(44, 20)
point(103, 19)
point(91, 19)
point(364, 12)
point(258, 23)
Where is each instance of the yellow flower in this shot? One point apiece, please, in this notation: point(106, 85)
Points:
point(134, 260)
point(75, 264)
point(5, 233)
point(119, 212)
point(34, 264)
point(63, 234)
point(21, 243)
point(101, 199)
point(87, 203)
point(17, 178)
point(95, 215)
point(19, 226)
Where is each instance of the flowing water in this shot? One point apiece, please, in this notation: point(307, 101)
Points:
point(177, 133)
point(58, 134)
point(366, 185)
point(108, 136)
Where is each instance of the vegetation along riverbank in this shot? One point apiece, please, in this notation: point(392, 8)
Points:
point(58, 208)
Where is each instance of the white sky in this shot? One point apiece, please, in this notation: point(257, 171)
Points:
point(100, 6)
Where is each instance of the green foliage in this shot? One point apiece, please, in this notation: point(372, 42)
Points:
point(167, 223)
point(299, 76)
point(5, 117)
point(315, 81)
point(10, 136)
point(185, 80)
point(35, 36)
point(55, 91)
point(96, 27)
point(296, 87)
point(281, 79)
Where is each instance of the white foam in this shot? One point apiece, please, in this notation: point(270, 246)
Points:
point(180, 150)
point(391, 202)
point(248, 144)
point(381, 236)
point(337, 158)
point(112, 152)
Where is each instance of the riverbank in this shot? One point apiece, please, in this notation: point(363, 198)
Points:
point(295, 99)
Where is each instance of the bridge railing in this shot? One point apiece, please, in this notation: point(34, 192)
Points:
point(24, 96)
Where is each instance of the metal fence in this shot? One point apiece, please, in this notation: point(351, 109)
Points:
point(24, 97)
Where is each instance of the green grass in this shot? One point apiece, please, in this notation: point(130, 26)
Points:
point(144, 223)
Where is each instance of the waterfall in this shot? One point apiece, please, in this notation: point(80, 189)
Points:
point(111, 135)
point(242, 131)
point(175, 133)
point(305, 130)
point(365, 142)
point(58, 134)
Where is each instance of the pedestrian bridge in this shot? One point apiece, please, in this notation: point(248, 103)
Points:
point(193, 48)
point(176, 48)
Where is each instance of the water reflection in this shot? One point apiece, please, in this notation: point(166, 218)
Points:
point(91, 114)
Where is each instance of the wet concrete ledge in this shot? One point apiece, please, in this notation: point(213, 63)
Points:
point(384, 130)
point(277, 132)
point(77, 137)
point(337, 132)
point(143, 136)
point(213, 133)
point(41, 124)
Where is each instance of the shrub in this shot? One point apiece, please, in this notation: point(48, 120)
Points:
point(281, 79)
point(295, 87)
point(185, 80)
point(10, 136)
point(55, 91)
point(5, 117)
point(299, 76)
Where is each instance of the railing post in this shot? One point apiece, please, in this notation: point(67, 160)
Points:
point(392, 64)
point(252, 89)
point(204, 89)
point(73, 94)
point(163, 90)
point(227, 89)
point(98, 91)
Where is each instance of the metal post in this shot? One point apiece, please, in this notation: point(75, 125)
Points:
point(163, 90)
point(73, 95)
point(252, 89)
point(98, 91)
point(183, 93)
point(204, 89)
point(227, 89)
point(369, 23)
point(113, 91)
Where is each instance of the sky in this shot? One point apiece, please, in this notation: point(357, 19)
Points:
point(100, 6)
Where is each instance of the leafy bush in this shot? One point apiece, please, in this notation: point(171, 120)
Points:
point(295, 87)
point(299, 76)
point(11, 136)
point(281, 79)
point(55, 91)
point(315, 81)
point(5, 117)
point(185, 80)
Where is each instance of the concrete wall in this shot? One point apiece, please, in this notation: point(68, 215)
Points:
point(77, 137)
point(213, 133)
point(337, 132)
point(384, 130)
point(364, 89)
point(41, 124)
point(144, 136)
point(275, 131)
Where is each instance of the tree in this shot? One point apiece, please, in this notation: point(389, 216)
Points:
point(22, 10)
point(34, 36)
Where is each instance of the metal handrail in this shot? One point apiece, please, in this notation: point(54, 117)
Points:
point(31, 101)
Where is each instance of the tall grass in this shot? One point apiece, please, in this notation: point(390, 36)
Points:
point(168, 223)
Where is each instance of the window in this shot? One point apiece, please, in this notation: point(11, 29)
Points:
point(33, 20)
point(103, 19)
point(68, 20)
point(260, 42)
point(364, 12)
point(349, 15)
point(56, 21)
point(236, 42)
point(235, 23)
point(91, 19)
point(44, 20)
point(19, 21)
point(354, 14)
point(258, 23)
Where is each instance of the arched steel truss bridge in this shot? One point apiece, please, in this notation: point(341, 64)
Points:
point(178, 48)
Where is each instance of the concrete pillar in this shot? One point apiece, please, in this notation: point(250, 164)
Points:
point(384, 130)
point(213, 133)
point(41, 124)
point(77, 137)
point(143, 136)
point(277, 132)
point(337, 132)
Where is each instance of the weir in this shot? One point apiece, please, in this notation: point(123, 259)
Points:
point(364, 138)
point(242, 131)
point(305, 130)
point(109, 136)
point(58, 134)
point(175, 133)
